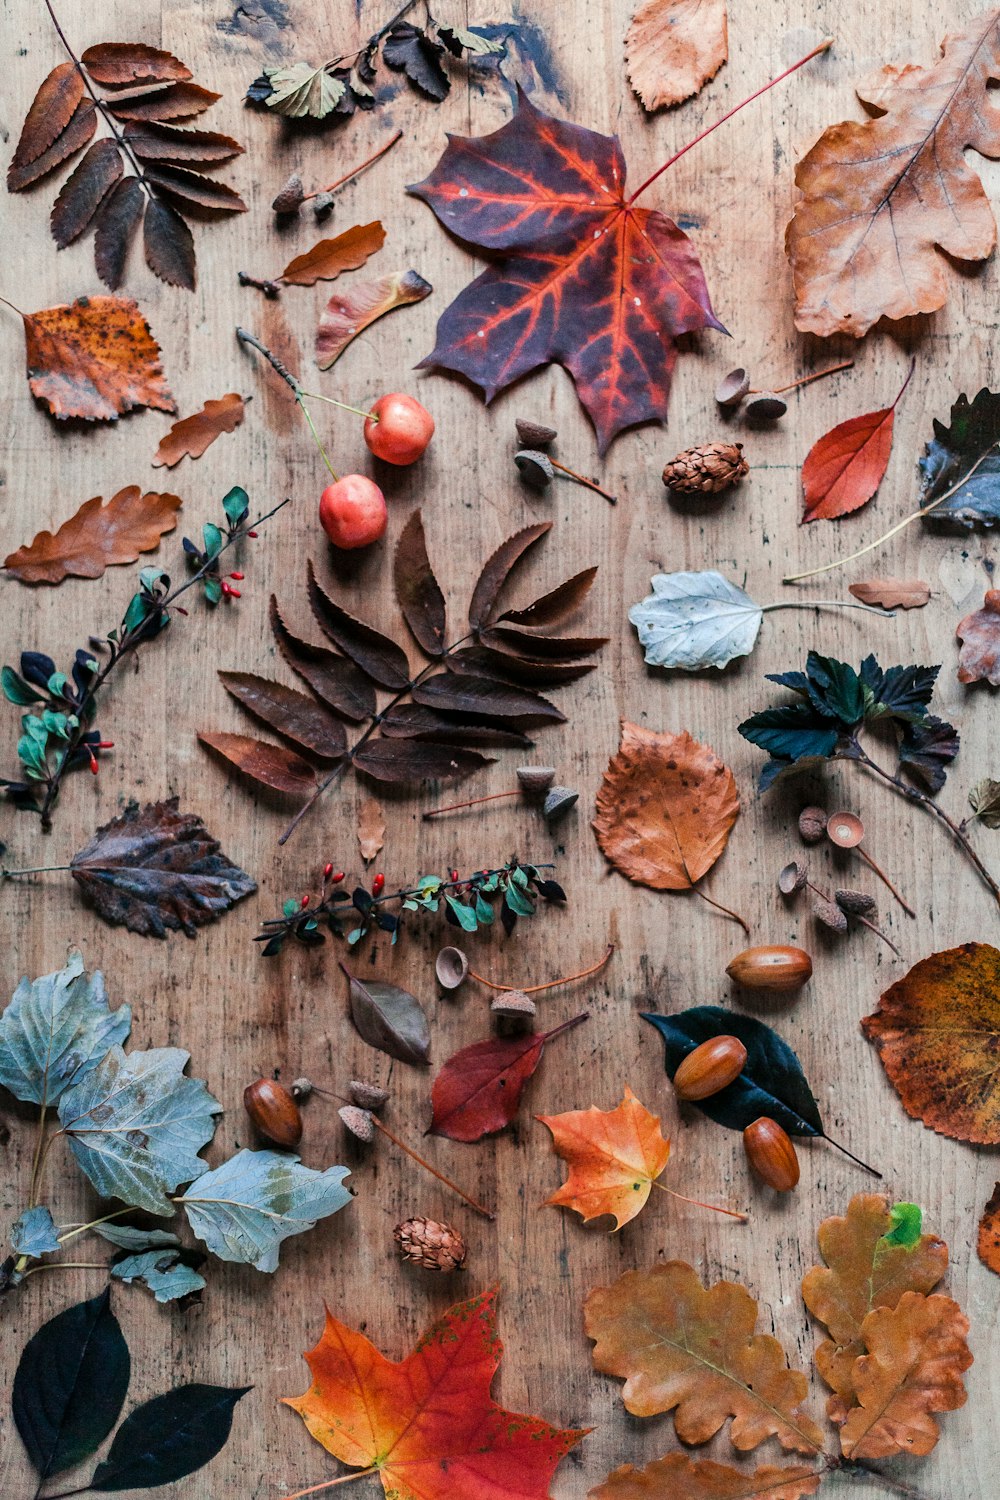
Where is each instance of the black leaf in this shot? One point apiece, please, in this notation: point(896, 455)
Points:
point(169, 1437)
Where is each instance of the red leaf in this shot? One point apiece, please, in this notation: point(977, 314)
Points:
point(479, 1089)
point(844, 468)
point(979, 658)
point(590, 281)
point(84, 190)
point(271, 765)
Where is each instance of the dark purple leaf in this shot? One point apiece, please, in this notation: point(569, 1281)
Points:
point(556, 605)
point(270, 765)
point(293, 714)
point(498, 568)
point(409, 50)
point(378, 656)
point(333, 678)
point(453, 693)
point(84, 190)
point(169, 245)
point(417, 590)
point(115, 226)
point(544, 647)
point(413, 721)
point(416, 760)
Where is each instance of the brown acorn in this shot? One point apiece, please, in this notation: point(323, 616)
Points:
point(274, 1112)
point(710, 1067)
point(774, 968)
point(771, 1153)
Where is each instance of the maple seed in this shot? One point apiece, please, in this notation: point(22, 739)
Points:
point(710, 1068)
point(707, 470)
point(771, 1154)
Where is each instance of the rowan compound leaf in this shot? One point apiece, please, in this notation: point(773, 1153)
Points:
point(673, 48)
point(695, 620)
point(979, 634)
point(937, 1031)
point(845, 467)
point(665, 808)
point(451, 692)
point(557, 604)
point(55, 1030)
point(154, 868)
point(118, 65)
point(371, 829)
point(397, 761)
point(151, 141)
point(176, 101)
point(77, 134)
point(34, 1233)
point(614, 1158)
point(498, 568)
point(116, 222)
point(273, 766)
point(389, 1018)
point(341, 684)
point(327, 259)
point(678, 1477)
point(377, 656)
point(94, 358)
point(168, 1437)
point(349, 313)
point(479, 1089)
point(295, 715)
point(693, 1350)
point(98, 536)
point(136, 1123)
point(892, 593)
point(190, 437)
point(162, 1271)
point(418, 592)
point(84, 190)
point(886, 200)
point(988, 1239)
point(246, 1209)
point(53, 107)
point(426, 1422)
point(964, 457)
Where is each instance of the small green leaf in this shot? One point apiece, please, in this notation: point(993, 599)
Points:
point(136, 613)
point(519, 902)
point(236, 505)
point(484, 911)
point(907, 1225)
point(212, 538)
point(213, 590)
point(32, 756)
point(35, 728)
point(355, 935)
point(56, 724)
point(291, 907)
point(57, 684)
point(16, 690)
point(465, 915)
point(162, 1271)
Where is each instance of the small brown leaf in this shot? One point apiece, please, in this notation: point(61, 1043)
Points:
point(169, 245)
point(84, 190)
point(271, 765)
point(94, 358)
point(378, 656)
point(348, 313)
point(196, 194)
point(453, 693)
point(53, 107)
point(333, 678)
point(118, 64)
point(979, 633)
point(344, 252)
point(673, 48)
point(984, 799)
point(417, 590)
point(892, 593)
point(293, 714)
point(371, 829)
point(189, 437)
point(206, 148)
point(76, 135)
point(497, 570)
point(556, 605)
point(116, 221)
point(98, 536)
point(416, 760)
point(678, 1477)
point(180, 101)
point(389, 1018)
point(988, 1242)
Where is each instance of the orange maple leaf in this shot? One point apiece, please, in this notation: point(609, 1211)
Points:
point(426, 1425)
point(614, 1157)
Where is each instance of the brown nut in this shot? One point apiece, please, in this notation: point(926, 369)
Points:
point(770, 1152)
point(710, 1067)
point(812, 824)
point(274, 1112)
point(771, 968)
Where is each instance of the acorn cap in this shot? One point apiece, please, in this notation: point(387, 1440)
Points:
point(359, 1121)
point(792, 878)
point(514, 1003)
point(302, 1088)
point(812, 824)
point(535, 468)
point(558, 801)
point(451, 967)
point(535, 778)
point(367, 1095)
point(856, 903)
point(534, 434)
point(291, 197)
point(322, 205)
point(830, 914)
point(845, 829)
point(732, 387)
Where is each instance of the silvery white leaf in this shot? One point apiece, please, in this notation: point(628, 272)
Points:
point(245, 1208)
point(136, 1124)
point(127, 1237)
point(34, 1233)
point(695, 620)
point(55, 1029)
point(162, 1271)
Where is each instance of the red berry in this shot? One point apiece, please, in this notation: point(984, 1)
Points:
point(305, 901)
point(378, 885)
point(352, 512)
point(327, 871)
point(338, 876)
point(238, 576)
point(452, 874)
point(398, 429)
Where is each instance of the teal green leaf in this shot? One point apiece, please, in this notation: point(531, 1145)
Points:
point(16, 690)
point(34, 1233)
point(236, 505)
point(137, 611)
point(162, 1271)
point(518, 901)
point(127, 1237)
point(213, 539)
point(464, 915)
point(56, 1029)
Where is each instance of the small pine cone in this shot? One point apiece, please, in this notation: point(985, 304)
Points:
point(439, 1247)
point(707, 470)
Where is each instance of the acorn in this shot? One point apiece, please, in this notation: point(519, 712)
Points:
point(771, 1153)
point(771, 968)
point(274, 1112)
point(710, 1067)
point(812, 824)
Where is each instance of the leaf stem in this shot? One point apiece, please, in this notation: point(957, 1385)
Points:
point(369, 161)
point(36, 870)
point(725, 909)
point(732, 1213)
point(582, 479)
point(328, 1484)
point(479, 1207)
point(68, 1265)
point(884, 879)
point(884, 614)
point(856, 1159)
point(823, 46)
point(280, 368)
point(793, 385)
point(344, 406)
point(534, 989)
point(36, 1160)
point(437, 812)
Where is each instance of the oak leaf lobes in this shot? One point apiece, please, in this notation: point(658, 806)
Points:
point(586, 279)
point(678, 1477)
point(614, 1158)
point(96, 537)
point(427, 1423)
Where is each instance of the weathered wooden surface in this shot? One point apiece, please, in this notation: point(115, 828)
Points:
point(240, 1016)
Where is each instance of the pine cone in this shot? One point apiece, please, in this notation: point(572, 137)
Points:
point(707, 470)
point(439, 1247)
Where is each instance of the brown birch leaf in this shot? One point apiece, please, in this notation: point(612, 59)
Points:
point(892, 593)
point(673, 48)
point(327, 259)
point(678, 1477)
point(59, 97)
point(293, 714)
point(497, 570)
point(94, 358)
point(349, 313)
point(377, 656)
point(190, 437)
point(418, 592)
point(333, 678)
point(270, 765)
point(98, 536)
point(988, 1240)
point(371, 829)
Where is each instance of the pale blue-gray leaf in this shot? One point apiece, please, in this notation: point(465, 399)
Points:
point(245, 1208)
point(695, 620)
point(127, 1237)
point(34, 1233)
point(55, 1029)
point(136, 1124)
point(162, 1271)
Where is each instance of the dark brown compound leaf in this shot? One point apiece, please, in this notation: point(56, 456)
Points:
point(556, 605)
point(497, 570)
point(169, 245)
point(270, 765)
point(119, 64)
point(413, 721)
point(81, 127)
point(485, 661)
point(180, 101)
point(484, 698)
point(198, 195)
point(378, 656)
point(58, 98)
point(548, 647)
point(293, 714)
point(116, 221)
point(417, 590)
point(84, 190)
point(155, 868)
point(333, 678)
point(401, 761)
point(167, 143)
point(389, 1018)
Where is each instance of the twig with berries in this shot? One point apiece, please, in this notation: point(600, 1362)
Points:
point(58, 730)
point(469, 902)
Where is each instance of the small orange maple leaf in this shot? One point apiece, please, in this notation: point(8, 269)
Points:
point(614, 1158)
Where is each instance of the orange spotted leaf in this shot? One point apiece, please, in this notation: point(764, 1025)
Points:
point(189, 437)
point(614, 1158)
point(988, 1242)
point(427, 1423)
point(94, 358)
point(678, 1477)
point(98, 536)
point(979, 633)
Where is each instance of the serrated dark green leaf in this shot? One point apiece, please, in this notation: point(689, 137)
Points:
point(169, 1437)
point(791, 732)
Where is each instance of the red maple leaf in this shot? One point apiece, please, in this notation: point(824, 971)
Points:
point(587, 279)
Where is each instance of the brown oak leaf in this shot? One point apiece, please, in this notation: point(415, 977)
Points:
point(988, 1241)
point(189, 437)
point(678, 1477)
point(371, 829)
point(979, 633)
point(98, 536)
point(349, 313)
point(327, 259)
point(673, 48)
point(884, 201)
point(94, 358)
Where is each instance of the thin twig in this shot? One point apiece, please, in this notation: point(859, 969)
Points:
point(725, 909)
point(884, 879)
point(479, 1207)
point(437, 812)
point(327, 1484)
point(533, 989)
point(793, 385)
point(367, 163)
point(582, 479)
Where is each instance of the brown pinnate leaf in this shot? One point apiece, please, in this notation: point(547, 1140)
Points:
point(98, 536)
point(293, 714)
point(333, 678)
point(497, 570)
point(892, 593)
point(120, 213)
point(692, 1350)
point(484, 661)
point(270, 765)
point(673, 48)
point(418, 592)
point(938, 1034)
point(988, 1240)
point(862, 1271)
point(179, 101)
point(412, 721)
point(84, 190)
point(377, 656)
point(76, 135)
point(327, 259)
point(665, 808)
point(118, 64)
point(197, 195)
point(979, 633)
point(917, 1352)
point(169, 245)
point(678, 1477)
point(349, 313)
point(168, 143)
point(189, 437)
point(885, 200)
point(450, 692)
point(400, 761)
point(371, 829)
point(53, 107)
point(155, 868)
point(544, 647)
point(94, 358)
point(557, 604)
